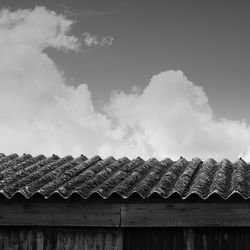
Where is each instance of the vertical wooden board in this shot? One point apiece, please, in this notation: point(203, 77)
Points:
point(89, 241)
point(154, 239)
point(22, 239)
point(59, 241)
point(1, 241)
point(39, 240)
point(98, 242)
point(50, 239)
point(12, 241)
point(223, 238)
point(107, 239)
point(30, 238)
point(189, 239)
point(79, 241)
point(53, 238)
point(118, 243)
point(108, 242)
point(220, 238)
point(68, 240)
point(5, 240)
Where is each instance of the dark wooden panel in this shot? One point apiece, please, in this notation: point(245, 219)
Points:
point(97, 212)
point(185, 215)
point(63, 213)
point(157, 239)
point(77, 238)
point(181, 238)
point(59, 239)
point(222, 238)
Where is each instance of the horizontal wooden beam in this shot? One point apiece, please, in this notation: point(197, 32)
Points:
point(59, 214)
point(185, 215)
point(121, 213)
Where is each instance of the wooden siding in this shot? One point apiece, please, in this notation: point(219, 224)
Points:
point(219, 238)
point(23, 238)
point(158, 239)
point(78, 238)
point(185, 215)
point(122, 213)
point(133, 224)
point(58, 212)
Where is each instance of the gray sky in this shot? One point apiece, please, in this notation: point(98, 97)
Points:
point(148, 78)
point(207, 40)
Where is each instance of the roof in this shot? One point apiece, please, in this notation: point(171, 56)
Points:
point(30, 175)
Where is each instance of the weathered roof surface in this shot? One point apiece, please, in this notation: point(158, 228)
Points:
point(30, 175)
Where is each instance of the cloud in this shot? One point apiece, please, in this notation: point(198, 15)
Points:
point(38, 28)
point(85, 12)
point(94, 40)
point(172, 117)
point(39, 113)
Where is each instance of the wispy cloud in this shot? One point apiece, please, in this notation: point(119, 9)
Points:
point(21, 28)
point(39, 113)
point(94, 40)
point(87, 12)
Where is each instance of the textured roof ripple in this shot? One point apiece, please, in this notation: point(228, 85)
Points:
point(29, 175)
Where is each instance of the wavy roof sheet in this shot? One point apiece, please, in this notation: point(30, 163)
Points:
point(30, 175)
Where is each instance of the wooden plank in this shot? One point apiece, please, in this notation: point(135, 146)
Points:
point(155, 238)
point(54, 238)
point(229, 238)
point(65, 213)
point(185, 215)
point(190, 239)
point(97, 212)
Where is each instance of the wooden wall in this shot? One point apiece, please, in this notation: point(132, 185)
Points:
point(51, 238)
point(117, 212)
point(77, 238)
point(203, 238)
point(117, 224)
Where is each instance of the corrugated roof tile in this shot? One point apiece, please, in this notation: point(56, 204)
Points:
point(30, 175)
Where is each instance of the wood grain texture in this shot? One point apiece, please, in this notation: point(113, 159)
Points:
point(60, 239)
point(156, 239)
point(221, 238)
point(116, 213)
point(182, 238)
point(59, 214)
point(77, 238)
point(185, 215)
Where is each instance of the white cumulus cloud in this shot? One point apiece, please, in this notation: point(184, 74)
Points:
point(95, 40)
point(39, 113)
point(172, 117)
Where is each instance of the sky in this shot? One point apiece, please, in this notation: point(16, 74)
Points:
point(135, 78)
